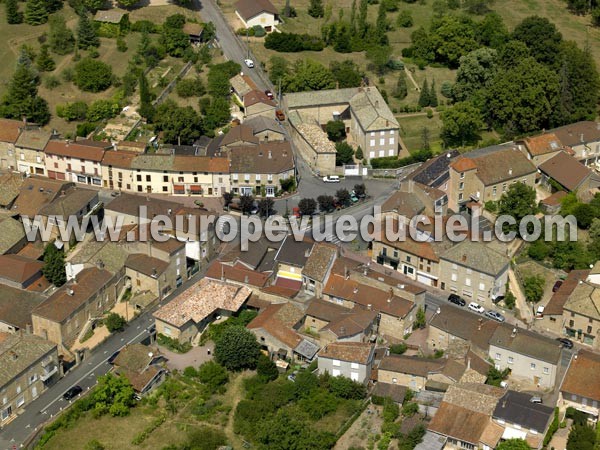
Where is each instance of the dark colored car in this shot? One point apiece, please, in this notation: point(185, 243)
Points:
point(269, 94)
point(557, 286)
point(456, 299)
point(566, 343)
point(112, 358)
point(72, 393)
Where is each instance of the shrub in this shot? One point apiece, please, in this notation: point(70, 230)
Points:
point(291, 42)
point(410, 409)
point(392, 162)
point(92, 75)
point(147, 26)
point(259, 31)
point(398, 349)
point(173, 344)
point(190, 87)
point(115, 322)
point(51, 82)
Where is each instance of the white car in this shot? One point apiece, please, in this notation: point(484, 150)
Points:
point(249, 63)
point(331, 179)
point(476, 307)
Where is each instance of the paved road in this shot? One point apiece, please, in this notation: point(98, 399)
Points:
point(85, 375)
point(233, 48)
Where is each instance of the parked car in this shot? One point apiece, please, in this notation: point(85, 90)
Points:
point(296, 212)
point(536, 399)
point(72, 393)
point(353, 198)
point(279, 115)
point(498, 299)
point(476, 307)
point(331, 179)
point(566, 343)
point(269, 94)
point(557, 285)
point(495, 316)
point(112, 358)
point(456, 299)
point(249, 63)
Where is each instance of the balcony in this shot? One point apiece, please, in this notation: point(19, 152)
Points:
point(48, 372)
point(388, 261)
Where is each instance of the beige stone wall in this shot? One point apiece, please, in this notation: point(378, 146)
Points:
point(260, 109)
point(314, 324)
point(7, 156)
point(589, 327)
point(323, 162)
point(30, 161)
point(393, 327)
point(457, 193)
point(270, 135)
point(415, 383)
point(118, 179)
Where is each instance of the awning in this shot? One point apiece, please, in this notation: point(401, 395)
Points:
point(196, 189)
point(513, 433)
point(179, 189)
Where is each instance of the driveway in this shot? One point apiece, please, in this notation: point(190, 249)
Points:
point(194, 358)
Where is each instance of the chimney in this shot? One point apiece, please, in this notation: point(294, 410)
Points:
point(355, 290)
point(13, 356)
point(510, 171)
point(581, 137)
point(307, 253)
point(369, 307)
point(270, 155)
point(246, 279)
point(346, 273)
point(464, 258)
point(114, 146)
point(70, 292)
point(468, 363)
point(514, 332)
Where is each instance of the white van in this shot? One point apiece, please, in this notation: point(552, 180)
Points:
point(331, 179)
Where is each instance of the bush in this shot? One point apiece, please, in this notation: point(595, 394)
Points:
point(190, 87)
point(398, 349)
point(115, 322)
point(392, 162)
point(146, 26)
point(121, 45)
point(405, 19)
point(410, 409)
point(291, 42)
point(51, 82)
point(85, 128)
point(173, 344)
point(213, 375)
point(92, 75)
point(336, 130)
point(259, 31)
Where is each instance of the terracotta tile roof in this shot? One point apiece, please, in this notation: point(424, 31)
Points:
point(239, 274)
point(463, 164)
point(394, 391)
point(201, 300)
point(481, 398)
point(75, 150)
point(403, 203)
point(250, 8)
point(560, 297)
point(566, 170)
point(527, 343)
point(265, 158)
point(119, 158)
point(460, 423)
point(343, 322)
point(241, 133)
point(10, 130)
point(359, 352)
point(16, 306)
point(583, 376)
point(543, 144)
point(411, 365)
point(134, 357)
point(60, 305)
point(18, 268)
point(256, 96)
point(146, 265)
point(554, 199)
point(320, 260)
point(366, 296)
point(279, 321)
point(35, 193)
point(281, 291)
point(18, 352)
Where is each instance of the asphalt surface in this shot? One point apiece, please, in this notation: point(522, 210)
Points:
point(51, 402)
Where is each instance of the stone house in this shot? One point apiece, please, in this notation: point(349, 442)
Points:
point(582, 138)
point(116, 170)
point(19, 272)
point(540, 149)
point(581, 312)
point(257, 103)
point(318, 267)
point(9, 133)
point(29, 365)
point(581, 386)
point(141, 366)
point(29, 150)
point(485, 174)
point(16, 306)
point(564, 172)
point(352, 360)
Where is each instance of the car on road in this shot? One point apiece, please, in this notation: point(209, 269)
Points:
point(269, 94)
point(249, 63)
point(536, 399)
point(296, 212)
point(557, 285)
point(495, 316)
point(72, 393)
point(476, 307)
point(353, 197)
point(566, 343)
point(331, 179)
point(112, 358)
point(456, 299)
point(279, 115)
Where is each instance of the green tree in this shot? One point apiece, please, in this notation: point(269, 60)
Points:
point(326, 203)
point(420, 320)
point(596, 16)
point(401, 90)
point(180, 125)
point(404, 19)
point(60, 37)
point(115, 322)
point(13, 15)
point(86, 33)
point(22, 99)
point(433, 100)
point(213, 375)
point(343, 197)
point(361, 24)
point(585, 214)
point(278, 68)
point(127, 3)
point(44, 61)
point(190, 87)
point(93, 5)
point(524, 96)
point(581, 437)
point(381, 26)
point(379, 57)
point(451, 38)
point(447, 88)
point(102, 109)
point(542, 38)
point(424, 95)
point(476, 72)
point(336, 130)
point(265, 207)
point(344, 154)
point(36, 12)
point(237, 349)
point(461, 124)
point(533, 288)
point(92, 75)
point(217, 114)
point(315, 8)
point(492, 31)
point(346, 73)
point(113, 395)
point(359, 154)
point(519, 201)
point(146, 107)
point(205, 438)
point(54, 265)
point(307, 206)
point(513, 444)
point(496, 376)
point(266, 369)
point(308, 75)
point(425, 139)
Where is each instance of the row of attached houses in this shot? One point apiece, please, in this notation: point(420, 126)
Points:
point(257, 167)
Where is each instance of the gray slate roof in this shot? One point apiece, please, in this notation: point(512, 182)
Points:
point(527, 343)
point(478, 256)
point(516, 408)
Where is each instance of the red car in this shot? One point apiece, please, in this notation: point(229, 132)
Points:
point(296, 212)
point(557, 286)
